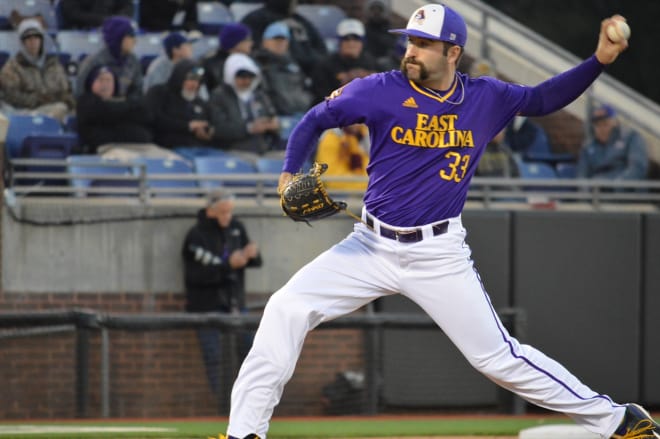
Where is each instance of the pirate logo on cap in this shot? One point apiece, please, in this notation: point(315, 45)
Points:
point(419, 17)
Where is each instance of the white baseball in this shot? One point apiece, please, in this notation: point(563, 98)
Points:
point(618, 31)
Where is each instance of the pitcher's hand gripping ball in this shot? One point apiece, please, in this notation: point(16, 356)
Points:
point(305, 197)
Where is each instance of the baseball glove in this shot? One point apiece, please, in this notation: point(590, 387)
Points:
point(305, 198)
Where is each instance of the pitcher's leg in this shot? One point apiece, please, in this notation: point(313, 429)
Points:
point(457, 301)
point(320, 291)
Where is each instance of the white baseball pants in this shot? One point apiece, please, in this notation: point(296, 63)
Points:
point(437, 274)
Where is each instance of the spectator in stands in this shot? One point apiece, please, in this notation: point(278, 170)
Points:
point(89, 14)
point(34, 81)
point(105, 118)
point(614, 152)
point(283, 80)
point(378, 41)
point(216, 251)
point(177, 46)
point(346, 152)
point(181, 117)
point(497, 159)
point(119, 38)
point(350, 61)
point(233, 38)
point(524, 136)
point(163, 15)
point(244, 118)
point(307, 45)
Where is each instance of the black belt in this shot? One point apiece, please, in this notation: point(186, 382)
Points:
point(414, 235)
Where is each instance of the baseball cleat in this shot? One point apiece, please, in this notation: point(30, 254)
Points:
point(637, 424)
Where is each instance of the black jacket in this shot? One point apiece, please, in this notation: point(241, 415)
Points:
point(306, 45)
point(172, 113)
point(326, 75)
point(211, 284)
point(118, 120)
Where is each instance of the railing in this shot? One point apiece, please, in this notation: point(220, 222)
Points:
point(261, 187)
point(83, 322)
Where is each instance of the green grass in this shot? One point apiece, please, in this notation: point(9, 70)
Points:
point(293, 429)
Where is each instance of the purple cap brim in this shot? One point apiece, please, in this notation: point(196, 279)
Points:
point(415, 33)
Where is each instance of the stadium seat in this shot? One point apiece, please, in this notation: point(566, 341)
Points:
point(99, 169)
point(147, 47)
point(48, 147)
point(78, 44)
point(536, 170)
point(287, 124)
point(211, 16)
point(162, 167)
point(9, 43)
point(325, 18)
point(190, 152)
point(241, 9)
point(566, 170)
point(21, 126)
point(205, 46)
point(223, 165)
point(270, 166)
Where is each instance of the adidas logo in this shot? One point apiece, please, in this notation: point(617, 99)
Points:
point(410, 103)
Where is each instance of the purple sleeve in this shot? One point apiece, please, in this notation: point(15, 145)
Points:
point(305, 135)
point(561, 90)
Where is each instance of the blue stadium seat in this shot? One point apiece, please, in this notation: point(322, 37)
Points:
point(266, 165)
point(211, 16)
point(147, 47)
point(100, 169)
point(21, 126)
point(78, 43)
point(48, 147)
point(223, 165)
point(287, 124)
point(205, 46)
point(241, 9)
point(536, 170)
point(566, 170)
point(162, 167)
point(325, 18)
point(190, 152)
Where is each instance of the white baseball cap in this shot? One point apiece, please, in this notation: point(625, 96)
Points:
point(436, 22)
point(350, 26)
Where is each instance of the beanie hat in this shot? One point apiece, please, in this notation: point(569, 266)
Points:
point(94, 73)
point(231, 34)
point(114, 30)
point(174, 40)
point(30, 27)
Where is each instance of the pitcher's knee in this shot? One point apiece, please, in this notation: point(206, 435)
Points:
point(291, 310)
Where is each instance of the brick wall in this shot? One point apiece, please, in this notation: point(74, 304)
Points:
point(152, 374)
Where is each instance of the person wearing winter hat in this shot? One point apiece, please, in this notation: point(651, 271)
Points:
point(105, 118)
point(34, 81)
point(119, 38)
point(307, 45)
point(177, 46)
point(243, 116)
point(232, 38)
point(349, 62)
point(283, 79)
point(181, 117)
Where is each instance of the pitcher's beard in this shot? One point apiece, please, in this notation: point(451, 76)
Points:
point(423, 72)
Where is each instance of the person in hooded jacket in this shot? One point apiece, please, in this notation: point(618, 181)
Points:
point(181, 117)
point(105, 118)
point(119, 37)
point(216, 251)
point(33, 80)
point(243, 116)
point(306, 45)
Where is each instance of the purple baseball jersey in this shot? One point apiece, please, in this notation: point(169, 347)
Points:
point(425, 144)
